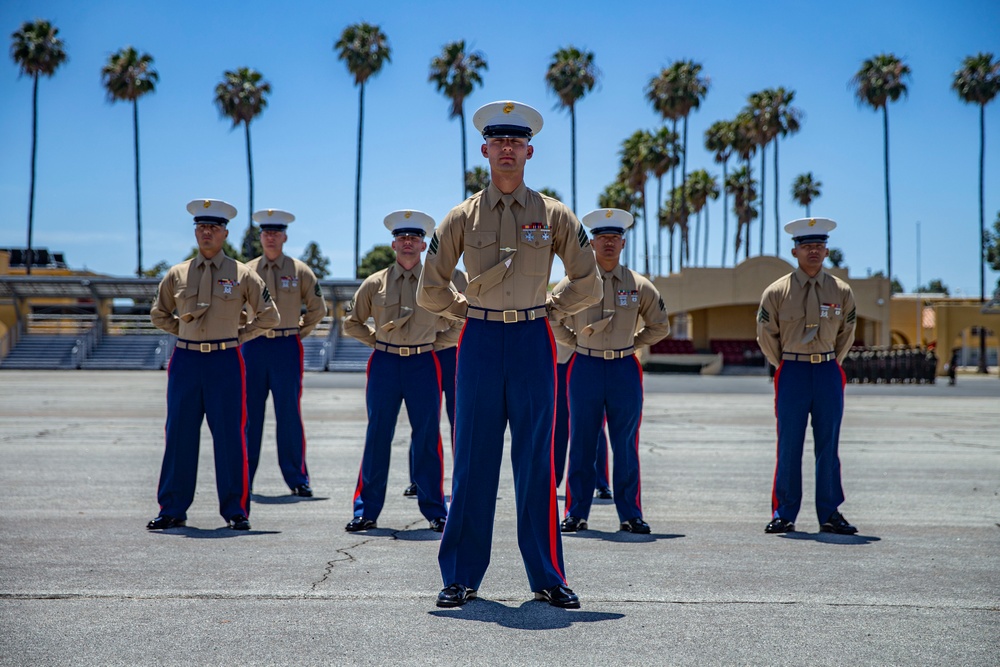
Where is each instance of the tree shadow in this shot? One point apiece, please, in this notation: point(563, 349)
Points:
point(832, 538)
point(531, 615)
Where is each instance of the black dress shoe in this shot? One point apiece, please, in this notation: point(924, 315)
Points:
point(837, 524)
point(359, 523)
point(636, 525)
point(779, 525)
point(411, 490)
point(559, 596)
point(163, 522)
point(603, 493)
point(303, 491)
point(239, 522)
point(571, 524)
point(455, 595)
point(437, 525)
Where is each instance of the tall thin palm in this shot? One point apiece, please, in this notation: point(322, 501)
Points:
point(978, 82)
point(661, 93)
point(663, 156)
point(742, 185)
point(571, 75)
point(881, 80)
point(805, 189)
point(456, 73)
point(760, 107)
point(365, 49)
point(745, 145)
point(241, 97)
point(703, 187)
point(719, 138)
point(637, 162)
point(787, 120)
point(127, 76)
point(38, 51)
point(670, 219)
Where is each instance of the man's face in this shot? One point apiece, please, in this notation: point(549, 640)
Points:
point(408, 247)
point(273, 241)
point(608, 247)
point(210, 238)
point(507, 154)
point(810, 256)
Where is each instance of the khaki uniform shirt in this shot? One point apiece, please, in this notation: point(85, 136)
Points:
point(543, 227)
point(563, 352)
point(294, 284)
point(781, 320)
point(233, 286)
point(389, 297)
point(613, 324)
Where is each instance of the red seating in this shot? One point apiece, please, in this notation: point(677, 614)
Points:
point(738, 352)
point(672, 346)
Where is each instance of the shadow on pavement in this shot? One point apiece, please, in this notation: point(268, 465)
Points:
point(621, 536)
point(531, 615)
point(283, 499)
point(832, 538)
point(220, 533)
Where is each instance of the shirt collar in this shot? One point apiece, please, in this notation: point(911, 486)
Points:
point(397, 271)
point(215, 261)
point(802, 277)
point(618, 272)
point(493, 195)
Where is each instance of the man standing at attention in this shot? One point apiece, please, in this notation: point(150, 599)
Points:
point(605, 378)
point(403, 367)
point(805, 327)
point(201, 301)
point(274, 361)
point(508, 235)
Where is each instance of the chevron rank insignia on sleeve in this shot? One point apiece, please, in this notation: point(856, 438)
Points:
point(349, 308)
point(317, 290)
point(432, 250)
point(663, 308)
point(852, 316)
point(582, 237)
point(763, 316)
point(266, 295)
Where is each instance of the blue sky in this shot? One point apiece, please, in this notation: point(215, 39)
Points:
point(304, 144)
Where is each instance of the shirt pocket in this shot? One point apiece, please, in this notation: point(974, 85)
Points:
point(791, 313)
point(227, 298)
point(385, 308)
point(535, 248)
point(481, 251)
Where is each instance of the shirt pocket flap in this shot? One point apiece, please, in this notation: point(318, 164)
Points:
point(480, 239)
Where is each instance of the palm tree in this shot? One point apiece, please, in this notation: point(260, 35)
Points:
point(787, 120)
point(702, 186)
point(456, 73)
point(241, 97)
point(476, 179)
point(805, 189)
point(744, 145)
point(719, 139)
point(675, 93)
point(880, 81)
point(978, 83)
point(670, 219)
point(742, 185)
point(637, 162)
point(571, 75)
point(663, 156)
point(759, 108)
point(38, 51)
point(128, 76)
point(365, 49)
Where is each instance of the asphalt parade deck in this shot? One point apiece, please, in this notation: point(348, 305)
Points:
point(82, 582)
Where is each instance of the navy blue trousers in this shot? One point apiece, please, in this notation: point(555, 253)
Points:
point(602, 390)
point(274, 365)
point(506, 375)
point(801, 390)
point(446, 359)
point(560, 441)
point(201, 385)
point(393, 380)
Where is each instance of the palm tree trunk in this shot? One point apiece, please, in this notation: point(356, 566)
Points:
point(659, 229)
point(357, 185)
point(645, 229)
point(572, 143)
point(684, 210)
point(808, 214)
point(982, 235)
point(777, 218)
point(138, 207)
point(671, 249)
point(31, 187)
point(248, 240)
point(673, 188)
point(465, 167)
point(697, 236)
point(705, 262)
point(888, 215)
point(725, 213)
point(763, 191)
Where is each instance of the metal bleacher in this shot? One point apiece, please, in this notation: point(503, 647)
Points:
point(78, 338)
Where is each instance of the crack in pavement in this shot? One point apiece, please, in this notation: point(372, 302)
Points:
point(348, 557)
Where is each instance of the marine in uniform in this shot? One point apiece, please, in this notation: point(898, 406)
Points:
point(274, 360)
point(560, 440)
point(446, 357)
point(201, 301)
point(508, 235)
point(605, 377)
point(805, 327)
point(403, 368)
